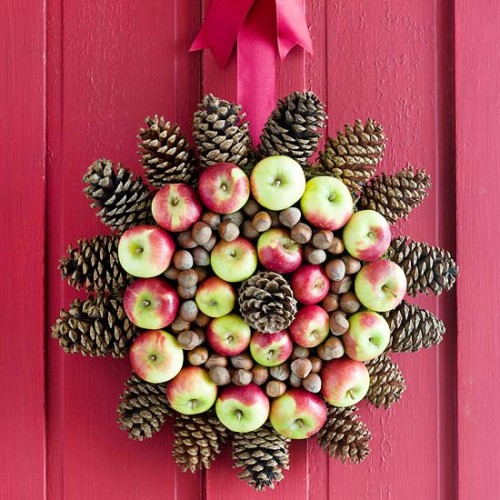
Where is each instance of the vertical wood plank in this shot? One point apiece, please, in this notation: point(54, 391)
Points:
point(22, 221)
point(386, 60)
point(477, 67)
point(112, 64)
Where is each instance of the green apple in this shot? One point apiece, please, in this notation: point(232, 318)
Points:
point(235, 260)
point(228, 335)
point(215, 297)
point(298, 414)
point(191, 391)
point(367, 235)
point(327, 203)
point(380, 285)
point(242, 409)
point(368, 336)
point(277, 182)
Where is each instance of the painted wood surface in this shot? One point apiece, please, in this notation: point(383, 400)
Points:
point(77, 85)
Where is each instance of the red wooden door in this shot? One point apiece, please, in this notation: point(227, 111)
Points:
point(76, 81)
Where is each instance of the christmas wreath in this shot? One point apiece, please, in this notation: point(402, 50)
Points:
point(258, 294)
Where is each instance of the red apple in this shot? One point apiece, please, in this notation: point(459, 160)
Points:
point(191, 391)
point(380, 285)
point(151, 303)
point(235, 260)
point(310, 284)
point(271, 349)
point(224, 188)
point(228, 335)
point(311, 326)
point(215, 297)
point(156, 356)
point(145, 251)
point(278, 252)
point(367, 235)
point(176, 207)
point(242, 409)
point(345, 381)
point(298, 414)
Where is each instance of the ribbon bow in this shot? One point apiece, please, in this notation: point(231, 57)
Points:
point(263, 29)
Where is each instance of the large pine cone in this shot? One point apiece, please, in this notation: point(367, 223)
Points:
point(143, 408)
point(427, 268)
point(96, 327)
point(198, 440)
point(387, 383)
point(165, 153)
point(124, 200)
point(94, 265)
point(395, 196)
point(293, 127)
point(344, 435)
point(263, 455)
point(353, 155)
point(267, 303)
point(413, 328)
point(221, 133)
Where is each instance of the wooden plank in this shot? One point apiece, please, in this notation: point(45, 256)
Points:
point(22, 219)
point(386, 60)
point(477, 66)
point(111, 65)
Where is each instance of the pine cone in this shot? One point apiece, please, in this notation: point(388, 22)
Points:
point(292, 129)
point(143, 408)
point(395, 196)
point(263, 455)
point(165, 152)
point(353, 155)
point(198, 440)
point(386, 382)
point(413, 328)
point(221, 133)
point(123, 199)
point(266, 302)
point(94, 265)
point(427, 268)
point(96, 327)
point(344, 435)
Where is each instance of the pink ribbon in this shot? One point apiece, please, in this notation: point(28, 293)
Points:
point(264, 30)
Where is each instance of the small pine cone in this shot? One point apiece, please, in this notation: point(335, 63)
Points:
point(124, 200)
point(353, 155)
point(413, 328)
point(96, 327)
point(263, 455)
point(221, 133)
point(395, 196)
point(293, 127)
point(344, 435)
point(266, 302)
point(427, 268)
point(143, 408)
point(165, 153)
point(94, 265)
point(198, 440)
point(386, 382)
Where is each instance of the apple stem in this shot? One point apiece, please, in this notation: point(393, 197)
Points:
point(175, 202)
point(350, 394)
point(139, 250)
point(146, 303)
point(239, 414)
point(270, 354)
point(193, 404)
point(277, 182)
point(389, 291)
point(300, 423)
point(152, 357)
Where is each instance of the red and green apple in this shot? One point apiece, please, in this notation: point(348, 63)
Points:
point(215, 297)
point(310, 284)
point(278, 252)
point(228, 335)
point(271, 349)
point(310, 326)
point(234, 261)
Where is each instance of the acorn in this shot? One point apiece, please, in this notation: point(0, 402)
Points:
point(260, 374)
point(275, 388)
point(188, 311)
point(335, 269)
point(337, 246)
point(186, 293)
point(249, 231)
point(261, 221)
point(300, 352)
point(220, 375)
point(251, 208)
point(349, 303)
point(312, 383)
point(215, 360)
point(241, 377)
point(236, 218)
point(179, 325)
point(330, 303)
point(200, 257)
point(202, 320)
point(185, 240)
point(212, 219)
point(280, 372)
point(352, 265)
point(323, 239)
point(316, 363)
point(290, 217)
point(187, 278)
point(332, 348)
point(314, 255)
point(338, 323)
point(209, 245)
point(189, 339)
point(301, 367)
point(171, 273)
point(228, 230)
point(295, 380)
point(182, 259)
point(243, 361)
point(341, 286)
point(201, 232)
point(301, 233)
point(198, 356)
